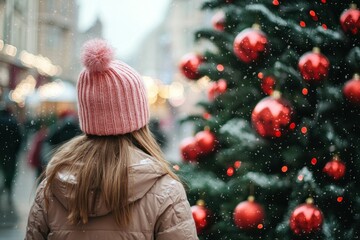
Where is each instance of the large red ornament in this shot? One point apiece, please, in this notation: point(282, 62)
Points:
point(248, 214)
point(314, 66)
point(335, 168)
point(189, 65)
point(201, 216)
point(267, 84)
point(350, 20)
point(206, 141)
point(351, 90)
point(306, 219)
point(250, 44)
point(189, 149)
point(218, 21)
point(217, 88)
point(272, 116)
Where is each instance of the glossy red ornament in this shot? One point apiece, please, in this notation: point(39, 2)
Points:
point(248, 214)
point(189, 65)
point(250, 44)
point(217, 88)
point(335, 168)
point(218, 21)
point(350, 20)
point(206, 141)
point(268, 84)
point(351, 90)
point(189, 149)
point(201, 217)
point(314, 66)
point(272, 116)
point(306, 219)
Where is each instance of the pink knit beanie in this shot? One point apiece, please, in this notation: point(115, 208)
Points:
point(111, 95)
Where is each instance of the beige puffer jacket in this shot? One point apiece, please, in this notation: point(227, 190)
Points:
point(161, 210)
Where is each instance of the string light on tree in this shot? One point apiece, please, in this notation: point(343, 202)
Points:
point(230, 171)
point(314, 66)
point(306, 218)
point(313, 15)
point(250, 44)
point(237, 164)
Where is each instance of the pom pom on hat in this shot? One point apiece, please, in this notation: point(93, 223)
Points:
point(97, 55)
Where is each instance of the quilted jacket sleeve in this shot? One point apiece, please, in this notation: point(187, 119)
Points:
point(37, 228)
point(175, 220)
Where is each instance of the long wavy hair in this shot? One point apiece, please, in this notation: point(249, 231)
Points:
point(100, 164)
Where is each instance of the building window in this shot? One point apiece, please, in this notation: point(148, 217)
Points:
point(54, 37)
point(50, 5)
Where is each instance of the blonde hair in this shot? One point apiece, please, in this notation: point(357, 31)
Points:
point(100, 164)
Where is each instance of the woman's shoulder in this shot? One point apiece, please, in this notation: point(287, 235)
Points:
point(168, 187)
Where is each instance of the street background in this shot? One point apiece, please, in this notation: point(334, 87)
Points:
point(40, 45)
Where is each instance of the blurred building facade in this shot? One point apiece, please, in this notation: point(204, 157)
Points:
point(58, 33)
point(17, 33)
point(39, 44)
point(160, 52)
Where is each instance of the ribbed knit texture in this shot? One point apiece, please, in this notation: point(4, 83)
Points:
point(112, 100)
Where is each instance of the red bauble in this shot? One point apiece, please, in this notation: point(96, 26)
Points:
point(218, 21)
point(189, 65)
point(201, 217)
point(350, 21)
point(306, 219)
point(250, 44)
point(335, 168)
point(314, 66)
point(221, 86)
point(189, 149)
point(248, 214)
point(351, 90)
point(267, 85)
point(206, 141)
point(272, 116)
point(212, 91)
point(217, 88)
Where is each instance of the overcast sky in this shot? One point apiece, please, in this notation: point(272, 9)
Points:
point(125, 22)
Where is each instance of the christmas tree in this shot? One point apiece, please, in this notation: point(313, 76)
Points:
point(275, 154)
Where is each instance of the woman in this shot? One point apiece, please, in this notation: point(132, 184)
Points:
point(112, 182)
